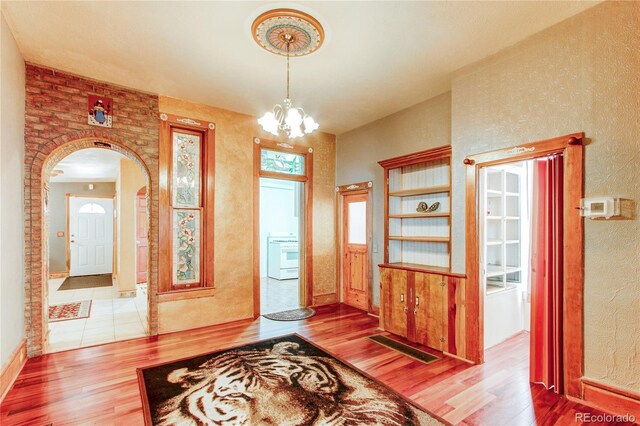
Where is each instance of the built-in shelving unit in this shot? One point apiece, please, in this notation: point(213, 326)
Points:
point(501, 231)
point(411, 236)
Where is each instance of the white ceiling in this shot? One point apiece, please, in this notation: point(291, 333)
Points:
point(89, 165)
point(379, 57)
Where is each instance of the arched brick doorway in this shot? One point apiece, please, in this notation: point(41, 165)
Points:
point(39, 163)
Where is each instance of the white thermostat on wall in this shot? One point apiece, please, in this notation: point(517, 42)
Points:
point(600, 207)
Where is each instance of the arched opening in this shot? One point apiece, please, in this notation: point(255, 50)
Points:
point(37, 231)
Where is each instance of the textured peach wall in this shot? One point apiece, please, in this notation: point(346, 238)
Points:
point(233, 297)
point(580, 75)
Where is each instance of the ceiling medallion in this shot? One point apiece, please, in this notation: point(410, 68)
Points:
point(278, 29)
point(289, 33)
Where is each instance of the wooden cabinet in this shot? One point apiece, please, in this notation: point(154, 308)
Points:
point(430, 310)
point(393, 300)
point(425, 307)
point(420, 299)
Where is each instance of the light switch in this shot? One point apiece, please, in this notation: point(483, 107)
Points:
point(60, 233)
point(375, 247)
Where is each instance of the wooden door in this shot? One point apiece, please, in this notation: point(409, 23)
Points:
point(142, 241)
point(430, 308)
point(393, 301)
point(355, 270)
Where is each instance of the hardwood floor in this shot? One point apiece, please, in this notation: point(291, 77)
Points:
point(98, 385)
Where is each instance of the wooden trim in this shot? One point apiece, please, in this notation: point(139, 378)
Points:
point(572, 149)
point(370, 247)
point(12, 368)
point(283, 176)
point(256, 229)
point(421, 191)
point(417, 157)
point(164, 208)
point(308, 224)
point(206, 131)
point(386, 216)
point(325, 299)
point(187, 123)
point(306, 281)
point(422, 268)
point(191, 293)
point(609, 398)
point(54, 275)
point(354, 187)
point(458, 357)
point(341, 191)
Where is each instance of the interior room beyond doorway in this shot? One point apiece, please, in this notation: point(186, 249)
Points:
point(280, 207)
point(97, 286)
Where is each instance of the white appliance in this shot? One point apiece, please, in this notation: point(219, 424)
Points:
point(283, 257)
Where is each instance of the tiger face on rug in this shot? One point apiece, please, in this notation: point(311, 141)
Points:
point(281, 386)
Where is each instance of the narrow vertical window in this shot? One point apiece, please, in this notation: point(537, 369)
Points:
point(186, 204)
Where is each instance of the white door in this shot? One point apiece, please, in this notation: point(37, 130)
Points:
point(90, 235)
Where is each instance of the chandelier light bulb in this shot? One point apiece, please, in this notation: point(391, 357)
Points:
point(269, 123)
point(310, 124)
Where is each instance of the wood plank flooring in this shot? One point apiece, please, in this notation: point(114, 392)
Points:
point(98, 385)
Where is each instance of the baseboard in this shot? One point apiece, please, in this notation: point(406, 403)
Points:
point(610, 399)
point(375, 311)
point(54, 275)
point(324, 299)
point(458, 357)
point(126, 293)
point(12, 368)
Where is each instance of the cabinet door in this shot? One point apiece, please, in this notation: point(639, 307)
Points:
point(393, 300)
point(430, 310)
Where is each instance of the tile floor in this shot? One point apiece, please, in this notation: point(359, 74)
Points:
point(277, 296)
point(112, 318)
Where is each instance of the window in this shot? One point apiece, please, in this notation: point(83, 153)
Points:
point(186, 209)
point(92, 208)
point(282, 162)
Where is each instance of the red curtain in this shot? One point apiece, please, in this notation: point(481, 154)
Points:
point(546, 273)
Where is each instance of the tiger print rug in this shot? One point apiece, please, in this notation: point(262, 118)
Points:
point(281, 381)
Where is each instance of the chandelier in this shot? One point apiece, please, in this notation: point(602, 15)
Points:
point(287, 32)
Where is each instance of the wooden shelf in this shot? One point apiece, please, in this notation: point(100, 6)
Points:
point(416, 267)
point(418, 215)
point(421, 239)
point(420, 191)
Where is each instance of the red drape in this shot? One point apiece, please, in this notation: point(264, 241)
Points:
point(546, 273)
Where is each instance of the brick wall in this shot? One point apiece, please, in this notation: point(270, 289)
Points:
point(55, 126)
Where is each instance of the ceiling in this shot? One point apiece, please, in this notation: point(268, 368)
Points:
point(89, 165)
point(378, 57)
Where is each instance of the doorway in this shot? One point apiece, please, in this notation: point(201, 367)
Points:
point(282, 220)
point(280, 208)
point(563, 259)
point(354, 237)
point(91, 216)
point(521, 272)
point(506, 193)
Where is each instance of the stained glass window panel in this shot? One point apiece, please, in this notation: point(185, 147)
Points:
point(186, 170)
point(186, 246)
point(282, 162)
